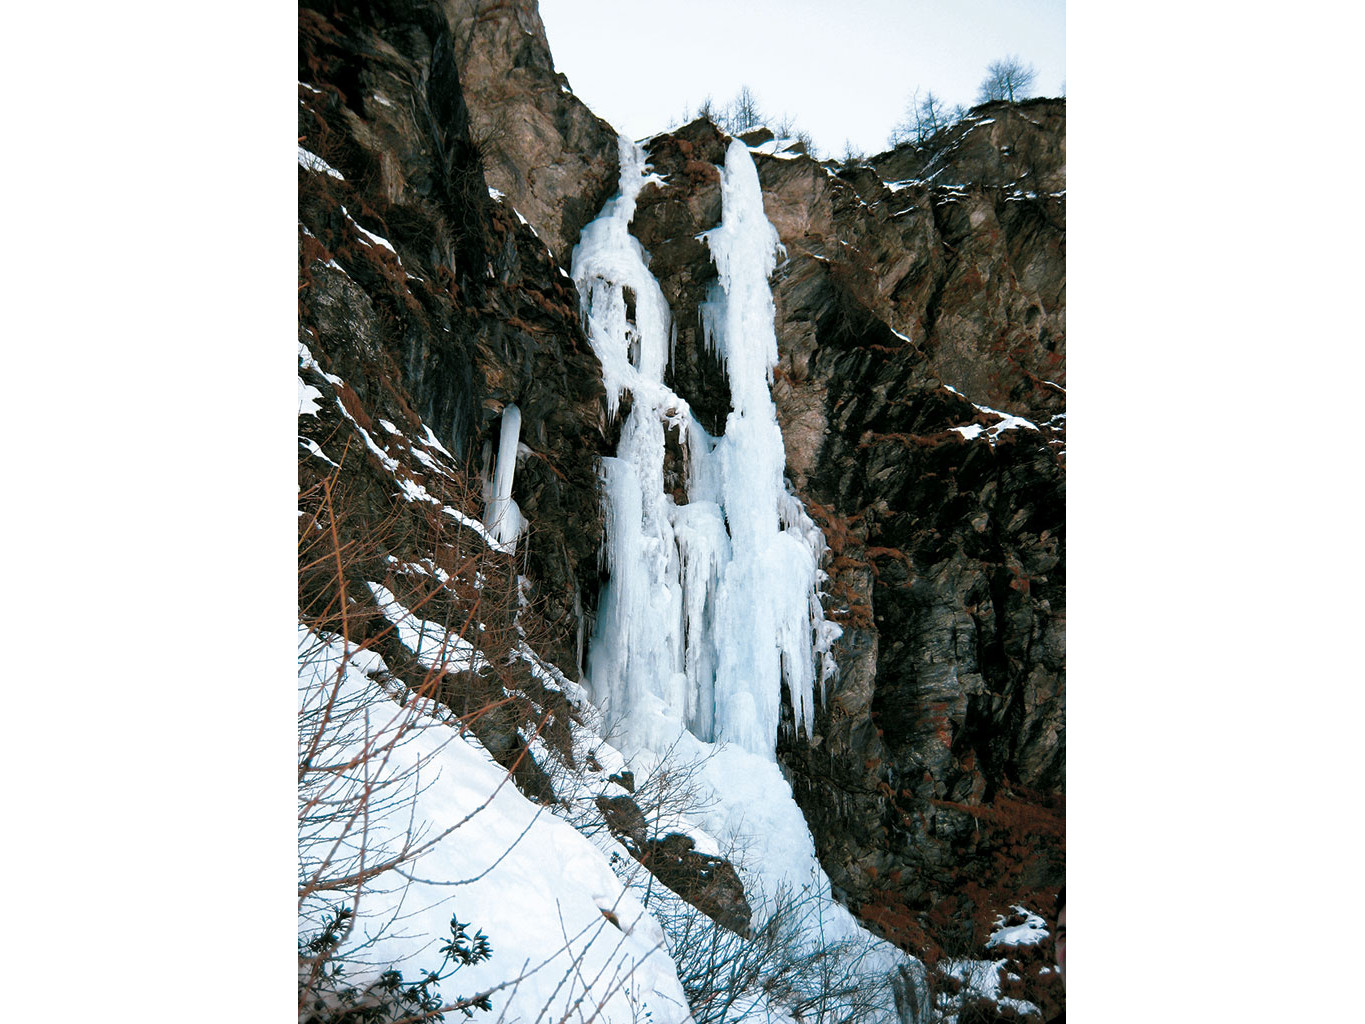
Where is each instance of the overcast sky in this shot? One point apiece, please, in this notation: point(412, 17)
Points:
point(842, 70)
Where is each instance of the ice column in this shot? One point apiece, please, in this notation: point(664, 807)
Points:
point(502, 516)
point(636, 657)
point(769, 621)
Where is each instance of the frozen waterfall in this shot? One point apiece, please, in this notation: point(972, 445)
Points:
point(713, 603)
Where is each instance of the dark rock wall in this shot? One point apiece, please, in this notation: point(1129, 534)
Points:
point(477, 314)
point(935, 782)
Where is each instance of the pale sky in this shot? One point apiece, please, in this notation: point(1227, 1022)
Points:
point(842, 70)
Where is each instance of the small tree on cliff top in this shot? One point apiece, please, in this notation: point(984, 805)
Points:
point(923, 118)
point(743, 112)
point(1006, 79)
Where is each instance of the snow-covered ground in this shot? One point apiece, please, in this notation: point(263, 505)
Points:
point(1031, 932)
point(569, 941)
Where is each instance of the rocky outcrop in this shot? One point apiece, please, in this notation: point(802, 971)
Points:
point(993, 324)
point(709, 883)
point(998, 145)
point(541, 146)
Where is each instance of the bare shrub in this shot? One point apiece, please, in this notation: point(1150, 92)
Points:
point(727, 975)
point(356, 713)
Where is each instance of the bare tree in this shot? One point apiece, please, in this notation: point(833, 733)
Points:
point(931, 115)
point(743, 112)
point(923, 118)
point(1006, 79)
point(787, 128)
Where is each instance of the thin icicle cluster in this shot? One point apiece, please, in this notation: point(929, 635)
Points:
point(713, 603)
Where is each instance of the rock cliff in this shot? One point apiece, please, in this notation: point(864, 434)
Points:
point(920, 390)
point(899, 303)
point(465, 309)
point(541, 146)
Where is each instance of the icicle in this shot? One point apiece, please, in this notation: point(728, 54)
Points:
point(502, 516)
point(607, 262)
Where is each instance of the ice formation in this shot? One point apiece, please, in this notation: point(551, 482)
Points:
point(712, 603)
point(502, 516)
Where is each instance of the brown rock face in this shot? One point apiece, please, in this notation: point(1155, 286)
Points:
point(542, 147)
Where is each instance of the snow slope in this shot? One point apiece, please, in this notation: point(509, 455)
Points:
point(569, 942)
